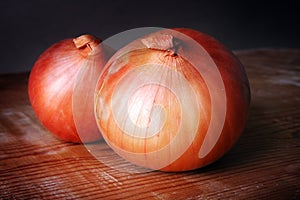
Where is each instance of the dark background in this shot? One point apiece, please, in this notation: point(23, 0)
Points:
point(30, 27)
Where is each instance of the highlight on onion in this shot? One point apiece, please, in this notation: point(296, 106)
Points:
point(61, 87)
point(172, 100)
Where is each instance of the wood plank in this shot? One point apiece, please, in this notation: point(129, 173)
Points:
point(264, 164)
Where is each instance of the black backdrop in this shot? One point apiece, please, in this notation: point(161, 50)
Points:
point(29, 27)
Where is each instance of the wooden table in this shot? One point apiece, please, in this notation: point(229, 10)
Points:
point(264, 164)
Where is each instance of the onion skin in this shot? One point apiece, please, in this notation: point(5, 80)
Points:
point(51, 84)
point(171, 148)
point(238, 101)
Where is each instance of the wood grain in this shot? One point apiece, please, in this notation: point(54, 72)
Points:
point(264, 164)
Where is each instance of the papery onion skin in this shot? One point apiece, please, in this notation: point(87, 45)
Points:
point(149, 152)
point(51, 84)
point(238, 99)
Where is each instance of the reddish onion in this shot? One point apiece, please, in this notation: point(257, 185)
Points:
point(173, 100)
point(61, 88)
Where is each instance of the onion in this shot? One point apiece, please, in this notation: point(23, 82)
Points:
point(173, 100)
point(61, 88)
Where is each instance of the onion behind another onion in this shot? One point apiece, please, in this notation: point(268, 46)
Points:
point(61, 88)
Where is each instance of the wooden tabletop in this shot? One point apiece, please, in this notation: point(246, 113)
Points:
point(264, 164)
